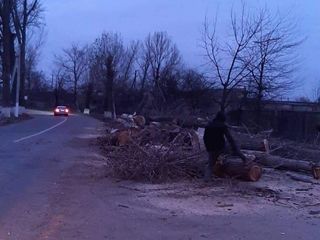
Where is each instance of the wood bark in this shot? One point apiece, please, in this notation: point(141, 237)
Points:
point(236, 169)
point(280, 163)
point(298, 152)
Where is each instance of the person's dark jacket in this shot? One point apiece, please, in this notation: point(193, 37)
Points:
point(214, 138)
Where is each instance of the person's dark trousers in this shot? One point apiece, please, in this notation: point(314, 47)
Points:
point(212, 159)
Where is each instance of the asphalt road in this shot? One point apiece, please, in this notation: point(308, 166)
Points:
point(46, 194)
point(33, 156)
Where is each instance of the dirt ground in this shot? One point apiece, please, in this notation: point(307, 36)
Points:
point(94, 206)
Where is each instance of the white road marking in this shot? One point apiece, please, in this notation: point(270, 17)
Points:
point(40, 133)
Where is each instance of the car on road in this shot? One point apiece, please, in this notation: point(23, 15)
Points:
point(61, 111)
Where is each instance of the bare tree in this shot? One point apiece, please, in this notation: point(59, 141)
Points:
point(73, 62)
point(58, 80)
point(108, 56)
point(39, 82)
point(33, 51)
point(161, 58)
point(316, 95)
point(88, 90)
point(226, 58)
point(273, 59)
point(129, 62)
point(26, 14)
point(143, 62)
point(195, 89)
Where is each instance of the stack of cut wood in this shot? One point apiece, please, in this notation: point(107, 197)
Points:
point(165, 150)
point(271, 152)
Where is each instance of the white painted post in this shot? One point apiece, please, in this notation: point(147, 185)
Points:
point(16, 112)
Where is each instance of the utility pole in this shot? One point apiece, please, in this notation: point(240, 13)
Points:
point(18, 61)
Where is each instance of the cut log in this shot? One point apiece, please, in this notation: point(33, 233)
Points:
point(139, 120)
point(236, 169)
point(298, 152)
point(280, 163)
point(123, 137)
point(283, 163)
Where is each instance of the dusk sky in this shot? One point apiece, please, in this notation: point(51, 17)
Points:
point(82, 21)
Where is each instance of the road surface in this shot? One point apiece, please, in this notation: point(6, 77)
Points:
point(52, 186)
point(34, 156)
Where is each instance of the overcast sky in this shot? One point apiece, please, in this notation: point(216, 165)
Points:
point(82, 21)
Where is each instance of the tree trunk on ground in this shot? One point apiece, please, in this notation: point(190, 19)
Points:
point(235, 168)
point(283, 163)
point(247, 141)
point(298, 152)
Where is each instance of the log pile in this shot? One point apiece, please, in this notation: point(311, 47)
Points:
point(165, 150)
point(282, 155)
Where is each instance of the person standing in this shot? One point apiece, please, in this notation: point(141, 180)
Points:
point(214, 139)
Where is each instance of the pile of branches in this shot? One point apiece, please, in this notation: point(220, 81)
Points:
point(154, 153)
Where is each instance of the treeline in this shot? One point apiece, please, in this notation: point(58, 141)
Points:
point(257, 55)
point(21, 28)
point(139, 76)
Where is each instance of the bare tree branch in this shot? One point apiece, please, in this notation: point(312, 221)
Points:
point(232, 54)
